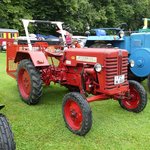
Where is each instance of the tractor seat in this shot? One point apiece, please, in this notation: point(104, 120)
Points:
point(53, 52)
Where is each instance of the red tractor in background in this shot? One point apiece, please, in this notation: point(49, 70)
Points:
point(90, 75)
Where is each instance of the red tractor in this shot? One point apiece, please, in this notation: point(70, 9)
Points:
point(90, 75)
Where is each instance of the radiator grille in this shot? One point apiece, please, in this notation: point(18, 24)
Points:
point(115, 66)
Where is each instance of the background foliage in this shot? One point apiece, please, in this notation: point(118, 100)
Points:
point(77, 14)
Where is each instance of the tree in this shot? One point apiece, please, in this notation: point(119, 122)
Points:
point(11, 12)
point(76, 14)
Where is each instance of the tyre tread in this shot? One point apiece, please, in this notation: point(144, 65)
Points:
point(6, 138)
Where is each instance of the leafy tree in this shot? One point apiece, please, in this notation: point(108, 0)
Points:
point(11, 11)
point(76, 14)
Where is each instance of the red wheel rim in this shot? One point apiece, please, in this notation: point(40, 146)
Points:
point(24, 83)
point(73, 114)
point(134, 101)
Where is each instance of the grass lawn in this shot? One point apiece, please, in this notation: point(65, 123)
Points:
point(41, 127)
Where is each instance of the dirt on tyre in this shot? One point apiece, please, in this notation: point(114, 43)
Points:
point(138, 98)
point(6, 135)
point(29, 82)
point(77, 113)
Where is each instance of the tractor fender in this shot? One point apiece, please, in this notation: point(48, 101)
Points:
point(37, 57)
point(141, 58)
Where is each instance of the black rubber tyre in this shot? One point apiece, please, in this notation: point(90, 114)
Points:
point(148, 83)
point(29, 82)
point(77, 113)
point(6, 135)
point(138, 100)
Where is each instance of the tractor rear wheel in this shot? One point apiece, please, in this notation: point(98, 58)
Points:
point(77, 113)
point(138, 100)
point(29, 82)
point(6, 135)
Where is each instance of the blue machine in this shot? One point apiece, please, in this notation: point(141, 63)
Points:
point(137, 44)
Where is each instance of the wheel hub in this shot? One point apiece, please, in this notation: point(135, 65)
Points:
point(133, 100)
point(73, 114)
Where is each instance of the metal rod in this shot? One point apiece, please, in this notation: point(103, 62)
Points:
point(98, 98)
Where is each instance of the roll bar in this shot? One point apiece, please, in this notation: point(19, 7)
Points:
point(26, 24)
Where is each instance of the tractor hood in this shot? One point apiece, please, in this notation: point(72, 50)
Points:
point(91, 55)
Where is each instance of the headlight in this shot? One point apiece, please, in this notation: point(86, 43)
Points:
point(98, 67)
point(132, 63)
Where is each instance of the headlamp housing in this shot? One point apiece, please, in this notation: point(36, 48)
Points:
point(98, 67)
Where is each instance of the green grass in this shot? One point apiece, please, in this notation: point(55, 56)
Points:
point(41, 127)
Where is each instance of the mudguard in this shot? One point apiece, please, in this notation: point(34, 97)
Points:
point(38, 58)
point(141, 59)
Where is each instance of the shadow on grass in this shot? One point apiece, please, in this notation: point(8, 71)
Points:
point(53, 94)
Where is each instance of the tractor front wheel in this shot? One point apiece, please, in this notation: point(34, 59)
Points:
point(137, 99)
point(29, 82)
point(77, 113)
point(6, 135)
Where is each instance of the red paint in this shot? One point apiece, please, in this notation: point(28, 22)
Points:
point(38, 58)
point(73, 114)
point(98, 98)
point(89, 70)
point(76, 72)
point(24, 83)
